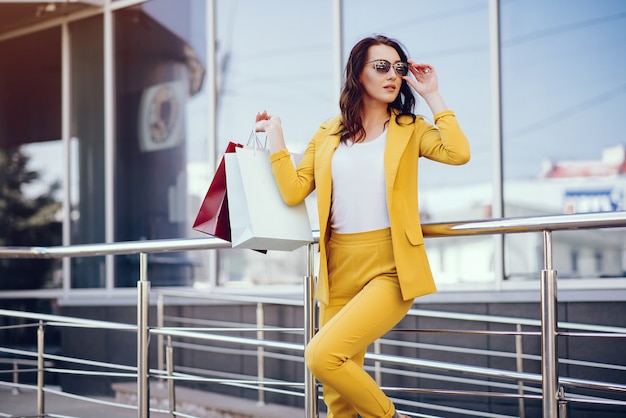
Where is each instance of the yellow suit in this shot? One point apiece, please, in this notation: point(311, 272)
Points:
point(406, 142)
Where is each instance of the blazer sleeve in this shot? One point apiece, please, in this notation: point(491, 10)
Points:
point(295, 184)
point(445, 142)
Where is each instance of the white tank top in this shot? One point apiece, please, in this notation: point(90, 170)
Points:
point(359, 202)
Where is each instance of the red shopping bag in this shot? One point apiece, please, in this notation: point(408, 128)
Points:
point(213, 217)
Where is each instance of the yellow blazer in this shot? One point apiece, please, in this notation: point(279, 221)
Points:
point(406, 142)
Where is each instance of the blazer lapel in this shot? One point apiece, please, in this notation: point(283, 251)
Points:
point(323, 177)
point(397, 139)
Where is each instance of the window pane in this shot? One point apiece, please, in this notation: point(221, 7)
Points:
point(564, 91)
point(160, 64)
point(453, 36)
point(271, 58)
point(87, 148)
point(30, 151)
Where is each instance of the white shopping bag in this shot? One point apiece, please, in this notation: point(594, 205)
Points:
point(259, 218)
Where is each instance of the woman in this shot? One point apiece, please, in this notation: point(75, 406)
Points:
point(363, 166)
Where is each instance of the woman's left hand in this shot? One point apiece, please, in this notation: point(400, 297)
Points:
point(424, 80)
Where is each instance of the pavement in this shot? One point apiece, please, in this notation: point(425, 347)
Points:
point(23, 404)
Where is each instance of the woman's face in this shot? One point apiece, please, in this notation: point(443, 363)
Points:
point(379, 85)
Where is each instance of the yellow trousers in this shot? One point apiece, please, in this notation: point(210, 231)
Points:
point(365, 302)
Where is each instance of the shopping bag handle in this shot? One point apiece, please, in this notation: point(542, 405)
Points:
point(255, 143)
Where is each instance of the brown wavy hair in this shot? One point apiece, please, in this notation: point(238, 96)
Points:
point(351, 99)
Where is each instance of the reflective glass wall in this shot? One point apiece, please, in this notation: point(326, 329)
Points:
point(564, 136)
point(453, 36)
point(561, 147)
point(159, 69)
point(86, 145)
point(31, 155)
point(272, 58)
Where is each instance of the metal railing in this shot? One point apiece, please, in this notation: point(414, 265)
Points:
point(520, 379)
point(205, 332)
point(551, 386)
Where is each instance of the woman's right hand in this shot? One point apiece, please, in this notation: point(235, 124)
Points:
point(260, 121)
point(265, 122)
point(272, 126)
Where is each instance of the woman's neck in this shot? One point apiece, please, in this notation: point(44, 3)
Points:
point(374, 122)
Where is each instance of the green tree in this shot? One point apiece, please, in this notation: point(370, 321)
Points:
point(25, 221)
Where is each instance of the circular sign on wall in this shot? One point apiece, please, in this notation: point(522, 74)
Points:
point(161, 116)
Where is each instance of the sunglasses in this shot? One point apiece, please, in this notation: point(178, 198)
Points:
point(383, 66)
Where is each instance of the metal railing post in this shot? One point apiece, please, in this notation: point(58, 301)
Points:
point(260, 351)
point(310, 387)
point(519, 353)
point(160, 338)
point(40, 371)
point(549, 362)
point(378, 374)
point(16, 378)
point(170, 373)
point(562, 403)
point(143, 305)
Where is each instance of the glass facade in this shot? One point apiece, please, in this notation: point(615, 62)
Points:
point(30, 131)
point(155, 77)
point(87, 148)
point(563, 87)
point(140, 172)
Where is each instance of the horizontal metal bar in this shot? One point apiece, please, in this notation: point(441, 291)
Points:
point(198, 329)
point(76, 360)
point(457, 349)
point(449, 367)
point(113, 326)
point(90, 373)
point(231, 339)
point(63, 320)
point(591, 334)
point(269, 385)
point(467, 332)
point(461, 393)
point(575, 221)
point(592, 364)
point(252, 352)
point(493, 373)
point(8, 371)
point(33, 325)
point(595, 401)
point(522, 333)
point(589, 384)
point(495, 353)
point(15, 351)
point(117, 248)
point(459, 316)
point(457, 379)
point(188, 377)
point(20, 361)
point(229, 297)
